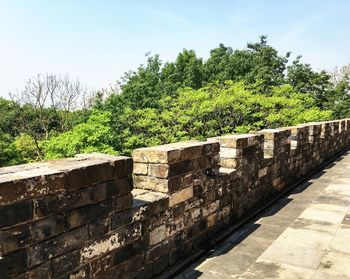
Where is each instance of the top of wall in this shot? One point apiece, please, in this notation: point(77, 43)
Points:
point(43, 178)
point(39, 179)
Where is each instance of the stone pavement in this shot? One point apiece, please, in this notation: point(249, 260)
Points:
point(304, 235)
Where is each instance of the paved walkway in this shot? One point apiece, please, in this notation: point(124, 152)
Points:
point(304, 235)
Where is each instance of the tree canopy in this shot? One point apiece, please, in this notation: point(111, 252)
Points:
point(233, 91)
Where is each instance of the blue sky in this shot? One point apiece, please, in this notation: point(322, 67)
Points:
point(97, 41)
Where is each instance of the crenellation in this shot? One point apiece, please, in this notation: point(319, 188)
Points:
point(104, 216)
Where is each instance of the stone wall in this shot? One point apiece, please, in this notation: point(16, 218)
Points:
point(85, 217)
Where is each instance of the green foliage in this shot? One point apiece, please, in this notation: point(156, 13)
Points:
point(233, 91)
point(26, 148)
point(9, 117)
point(259, 63)
point(94, 135)
point(8, 153)
point(215, 109)
point(341, 96)
point(315, 84)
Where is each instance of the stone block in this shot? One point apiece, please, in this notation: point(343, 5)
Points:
point(181, 196)
point(13, 264)
point(113, 188)
point(153, 201)
point(24, 182)
point(161, 170)
point(140, 168)
point(168, 185)
point(14, 239)
point(230, 152)
point(99, 228)
point(263, 172)
point(88, 214)
point(46, 228)
point(123, 202)
point(159, 251)
point(110, 242)
point(65, 264)
point(40, 272)
point(16, 213)
point(174, 152)
point(238, 141)
point(57, 246)
point(157, 235)
point(122, 165)
point(54, 204)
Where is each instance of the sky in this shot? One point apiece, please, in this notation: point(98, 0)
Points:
point(97, 41)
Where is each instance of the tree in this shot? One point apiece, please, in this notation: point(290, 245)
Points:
point(9, 117)
point(94, 135)
point(26, 148)
point(8, 153)
point(233, 91)
point(218, 66)
point(305, 80)
point(216, 109)
point(259, 64)
point(140, 88)
point(340, 79)
point(186, 71)
point(47, 102)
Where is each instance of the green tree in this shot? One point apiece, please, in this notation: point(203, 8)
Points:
point(305, 80)
point(216, 109)
point(94, 135)
point(26, 148)
point(9, 117)
point(218, 66)
point(186, 71)
point(8, 152)
point(259, 64)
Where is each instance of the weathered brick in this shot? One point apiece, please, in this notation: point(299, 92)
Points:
point(160, 265)
point(151, 183)
point(58, 245)
point(140, 168)
point(15, 188)
point(64, 202)
point(78, 178)
point(180, 252)
point(84, 171)
point(181, 196)
point(47, 227)
point(89, 213)
point(121, 219)
point(99, 228)
point(236, 141)
point(130, 250)
point(16, 213)
point(40, 272)
point(122, 165)
point(157, 235)
point(82, 273)
point(153, 201)
point(123, 202)
point(159, 251)
point(110, 242)
point(119, 186)
point(175, 152)
point(158, 170)
point(13, 239)
point(13, 264)
point(65, 263)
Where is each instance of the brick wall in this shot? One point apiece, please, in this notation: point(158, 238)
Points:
point(85, 217)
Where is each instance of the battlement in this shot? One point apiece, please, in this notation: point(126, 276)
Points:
point(103, 216)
